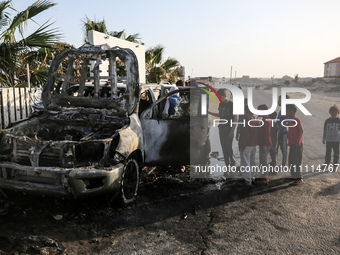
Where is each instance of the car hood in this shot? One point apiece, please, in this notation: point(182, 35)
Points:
point(76, 79)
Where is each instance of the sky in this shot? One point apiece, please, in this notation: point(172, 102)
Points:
point(259, 38)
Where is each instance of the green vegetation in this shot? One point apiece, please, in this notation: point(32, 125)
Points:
point(38, 49)
point(18, 50)
point(158, 71)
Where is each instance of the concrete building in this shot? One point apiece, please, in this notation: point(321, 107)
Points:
point(332, 68)
point(245, 78)
point(97, 38)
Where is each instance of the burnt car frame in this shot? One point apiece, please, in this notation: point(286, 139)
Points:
point(93, 135)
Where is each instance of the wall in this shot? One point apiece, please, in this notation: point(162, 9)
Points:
point(97, 38)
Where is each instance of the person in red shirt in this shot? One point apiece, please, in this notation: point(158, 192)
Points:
point(295, 143)
point(265, 143)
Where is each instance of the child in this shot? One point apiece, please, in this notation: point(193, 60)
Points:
point(295, 142)
point(282, 134)
point(273, 136)
point(331, 135)
point(265, 143)
point(248, 142)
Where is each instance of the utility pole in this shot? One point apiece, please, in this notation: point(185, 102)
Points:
point(28, 77)
point(231, 73)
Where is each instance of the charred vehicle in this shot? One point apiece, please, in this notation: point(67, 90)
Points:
point(94, 134)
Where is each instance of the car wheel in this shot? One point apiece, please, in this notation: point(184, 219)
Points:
point(130, 181)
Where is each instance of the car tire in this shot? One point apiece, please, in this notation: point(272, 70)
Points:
point(130, 181)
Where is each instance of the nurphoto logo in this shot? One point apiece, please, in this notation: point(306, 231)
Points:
point(238, 100)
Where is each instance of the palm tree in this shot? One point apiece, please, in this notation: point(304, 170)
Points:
point(172, 70)
point(39, 62)
point(131, 38)
point(156, 71)
point(99, 26)
point(14, 51)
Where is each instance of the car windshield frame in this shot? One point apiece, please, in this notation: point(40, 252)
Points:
point(56, 90)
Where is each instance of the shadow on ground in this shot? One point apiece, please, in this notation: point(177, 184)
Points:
point(330, 190)
point(34, 223)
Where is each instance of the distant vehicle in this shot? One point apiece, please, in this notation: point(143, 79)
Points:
point(94, 135)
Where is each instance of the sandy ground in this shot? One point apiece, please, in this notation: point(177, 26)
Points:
point(176, 215)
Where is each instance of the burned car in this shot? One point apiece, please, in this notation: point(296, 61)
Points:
point(94, 134)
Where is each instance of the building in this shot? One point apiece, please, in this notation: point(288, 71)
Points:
point(244, 79)
point(211, 80)
point(332, 68)
point(287, 78)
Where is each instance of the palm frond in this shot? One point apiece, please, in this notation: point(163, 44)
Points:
point(158, 54)
point(157, 71)
point(19, 21)
point(4, 16)
point(99, 26)
point(153, 56)
point(37, 49)
point(118, 34)
point(42, 37)
point(134, 38)
point(8, 51)
point(170, 63)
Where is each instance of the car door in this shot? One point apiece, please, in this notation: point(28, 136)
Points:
point(180, 139)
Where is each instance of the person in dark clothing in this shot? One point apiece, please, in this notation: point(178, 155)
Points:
point(241, 119)
point(226, 131)
point(265, 143)
point(331, 135)
point(283, 135)
point(273, 136)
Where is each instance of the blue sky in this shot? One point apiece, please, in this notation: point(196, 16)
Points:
point(262, 38)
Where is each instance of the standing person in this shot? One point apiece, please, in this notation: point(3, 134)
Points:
point(227, 130)
point(274, 136)
point(180, 83)
point(331, 135)
point(170, 104)
point(283, 134)
point(248, 142)
point(295, 142)
point(241, 119)
point(182, 108)
point(265, 143)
